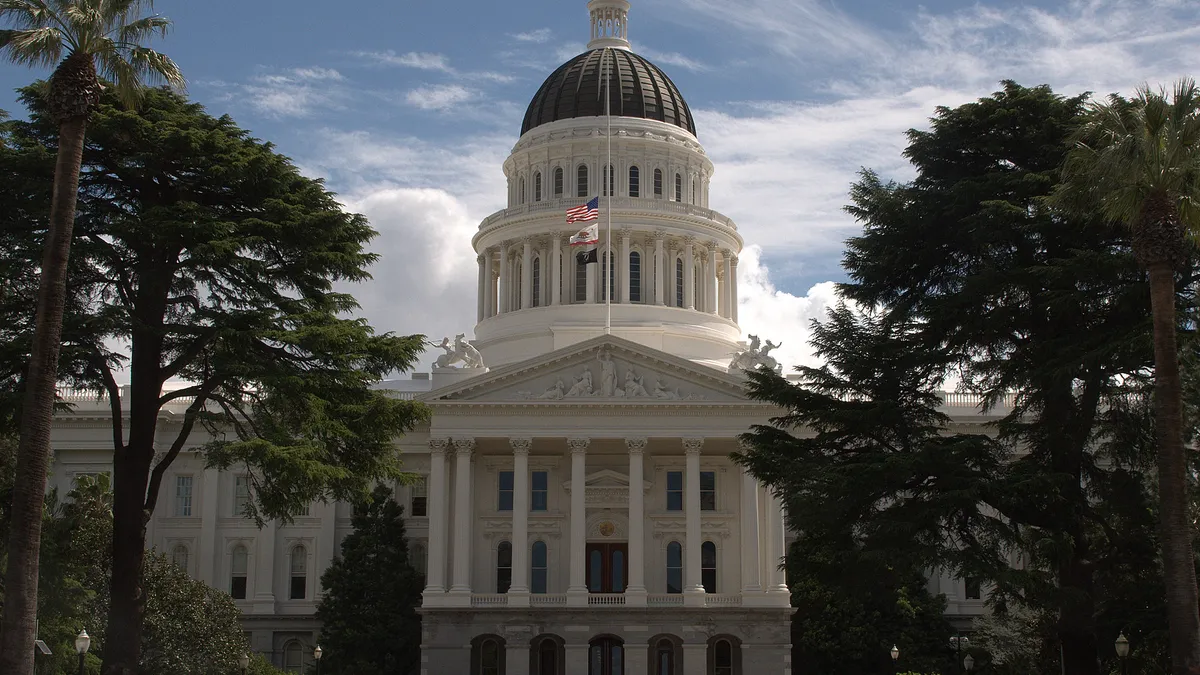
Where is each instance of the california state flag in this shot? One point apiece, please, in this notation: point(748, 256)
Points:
point(588, 235)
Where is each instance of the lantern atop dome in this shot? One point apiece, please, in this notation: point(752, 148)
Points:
point(610, 24)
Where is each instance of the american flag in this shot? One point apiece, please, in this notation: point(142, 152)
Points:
point(589, 211)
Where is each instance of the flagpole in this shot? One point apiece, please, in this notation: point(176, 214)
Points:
point(609, 180)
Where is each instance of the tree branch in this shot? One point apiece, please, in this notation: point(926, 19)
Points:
point(189, 421)
point(114, 402)
point(188, 354)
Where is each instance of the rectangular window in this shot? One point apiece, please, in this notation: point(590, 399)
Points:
point(581, 181)
point(539, 499)
point(580, 281)
point(506, 491)
point(241, 494)
point(539, 568)
point(658, 183)
point(635, 277)
point(708, 491)
point(237, 587)
point(635, 179)
point(973, 590)
point(297, 589)
point(304, 511)
point(183, 495)
point(558, 182)
point(674, 490)
point(420, 498)
point(678, 187)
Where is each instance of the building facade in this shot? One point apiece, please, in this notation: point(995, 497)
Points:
point(577, 510)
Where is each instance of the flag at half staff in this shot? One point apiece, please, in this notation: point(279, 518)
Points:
point(588, 257)
point(586, 236)
point(589, 211)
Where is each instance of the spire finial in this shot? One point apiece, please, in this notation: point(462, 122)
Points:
point(610, 24)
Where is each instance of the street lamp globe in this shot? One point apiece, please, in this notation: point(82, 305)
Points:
point(82, 642)
point(1122, 646)
point(895, 653)
point(317, 653)
point(968, 662)
point(244, 661)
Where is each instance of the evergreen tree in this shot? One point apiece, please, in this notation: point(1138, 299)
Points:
point(967, 271)
point(369, 623)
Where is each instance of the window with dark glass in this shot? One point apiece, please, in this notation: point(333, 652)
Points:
point(635, 188)
point(420, 498)
point(581, 181)
point(606, 656)
point(664, 658)
point(635, 276)
point(505, 502)
point(674, 490)
point(491, 657)
point(539, 498)
point(237, 573)
point(580, 282)
point(521, 196)
point(658, 183)
point(547, 658)
point(974, 592)
point(539, 568)
point(558, 181)
point(299, 578)
point(674, 567)
point(537, 282)
point(708, 566)
point(537, 186)
point(679, 282)
point(678, 187)
point(723, 658)
point(708, 491)
point(610, 177)
point(503, 567)
point(606, 272)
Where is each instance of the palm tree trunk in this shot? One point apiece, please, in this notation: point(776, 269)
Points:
point(1179, 566)
point(33, 453)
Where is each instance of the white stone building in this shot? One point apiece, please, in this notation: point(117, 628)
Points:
point(578, 511)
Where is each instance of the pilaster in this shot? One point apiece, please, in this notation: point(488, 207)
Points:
point(460, 590)
point(660, 267)
point(577, 590)
point(438, 492)
point(635, 593)
point(526, 272)
point(518, 592)
point(693, 586)
point(710, 279)
point(689, 272)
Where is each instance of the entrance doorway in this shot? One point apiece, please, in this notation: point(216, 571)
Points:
point(606, 656)
point(607, 568)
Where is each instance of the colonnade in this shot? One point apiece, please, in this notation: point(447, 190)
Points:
point(458, 523)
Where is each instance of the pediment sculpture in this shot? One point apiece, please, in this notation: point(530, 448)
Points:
point(460, 351)
point(754, 356)
point(610, 384)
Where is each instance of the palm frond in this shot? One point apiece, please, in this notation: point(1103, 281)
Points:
point(135, 32)
point(25, 13)
point(35, 47)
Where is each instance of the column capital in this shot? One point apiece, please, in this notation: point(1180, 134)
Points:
point(556, 234)
point(504, 244)
point(527, 240)
point(733, 259)
point(689, 240)
point(437, 446)
point(691, 446)
point(464, 446)
point(726, 253)
point(625, 232)
point(578, 445)
point(520, 446)
point(660, 235)
point(479, 258)
point(635, 445)
point(704, 254)
point(711, 245)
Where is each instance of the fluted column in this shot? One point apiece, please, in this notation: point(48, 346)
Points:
point(733, 289)
point(710, 278)
point(623, 280)
point(556, 282)
point(750, 539)
point(519, 590)
point(660, 264)
point(635, 593)
point(439, 533)
point(463, 448)
point(480, 312)
point(489, 308)
point(702, 298)
point(778, 579)
point(728, 295)
point(689, 272)
point(502, 293)
point(693, 585)
point(527, 273)
point(577, 590)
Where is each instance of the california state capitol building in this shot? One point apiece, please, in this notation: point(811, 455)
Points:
point(577, 511)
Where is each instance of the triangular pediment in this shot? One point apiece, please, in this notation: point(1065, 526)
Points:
point(604, 369)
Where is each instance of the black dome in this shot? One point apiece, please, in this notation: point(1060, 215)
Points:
point(638, 89)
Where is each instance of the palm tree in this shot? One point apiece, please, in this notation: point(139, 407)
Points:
point(83, 39)
point(1138, 162)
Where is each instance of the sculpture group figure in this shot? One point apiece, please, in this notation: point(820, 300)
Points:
point(754, 356)
point(633, 386)
point(460, 351)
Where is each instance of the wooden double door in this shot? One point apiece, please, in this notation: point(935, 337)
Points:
point(607, 567)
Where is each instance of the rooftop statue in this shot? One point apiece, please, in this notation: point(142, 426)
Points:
point(460, 351)
point(754, 356)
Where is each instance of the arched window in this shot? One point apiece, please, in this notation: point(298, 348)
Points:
point(179, 556)
point(521, 196)
point(539, 569)
point(635, 276)
point(580, 281)
point(694, 181)
point(607, 272)
point(679, 282)
point(581, 181)
point(419, 559)
point(610, 178)
point(537, 186)
point(635, 188)
point(537, 282)
point(558, 181)
point(674, 567)
point(708, 566)
point(547, 656)
point(237, 573)
point(663, 657)
point(503, 567)
point(606, 656)
point(658, 183)
point(293, 657)
point(299, 584)
point(724, 656)
point(678, 187)
point(487, 656)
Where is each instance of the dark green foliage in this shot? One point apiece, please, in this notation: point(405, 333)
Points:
point(966, 272)
point(368, 615)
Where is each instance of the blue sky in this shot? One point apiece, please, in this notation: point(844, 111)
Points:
point(408, 109)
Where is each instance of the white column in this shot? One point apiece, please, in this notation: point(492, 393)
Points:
point(488, 274)
point(659, 268)
point(693, 584)
point(438, 492)
point(591, 282)
point(502, 293)
point(206, 554)
point(635, 593)
point(482, 290)
point(577, 590)
point(463, 447)
point(710, 279)
point(689, 272)
point(750, 544)
point(556, 266)
point(733, 288)
point(527, 273)
point(519, 590)
point(623, 266)
point(568, 275)
point(728, 294)
point(778, 579)
point(702, 287)
point(264, 569)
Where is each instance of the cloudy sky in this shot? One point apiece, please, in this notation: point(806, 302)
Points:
point(408, 109)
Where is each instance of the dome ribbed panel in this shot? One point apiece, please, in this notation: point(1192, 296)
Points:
point(637, 88)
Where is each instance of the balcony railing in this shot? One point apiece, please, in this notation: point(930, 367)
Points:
point(605, 599)
point(664, 600)
point(643, 204)
point(548, 600)
point(491, 600)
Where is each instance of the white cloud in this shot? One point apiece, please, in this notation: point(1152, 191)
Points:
point(298, 92)
point(538, 36)
point(418, 60)
point(673, 59)
point(438, 96)
point(779, 316)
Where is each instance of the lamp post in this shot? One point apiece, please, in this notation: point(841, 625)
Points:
point(959, 643)
point(968, 662)
point(82, 642)
point(244, 662)
point(895, 652)
point(1122, 647)
point(317, 657)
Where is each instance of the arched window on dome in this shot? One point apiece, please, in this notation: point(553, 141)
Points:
point(635, 276)
point(678, 187)
point(694, 182)
point(635, 178)
point(558, 181)
point(503, 567)
point(537, 282)
point(658, 184)
point(679, 282)
point(610, 179)
point(674, 567)
point(581, 181)
point(521, 196)
point(580, 281)
point(537, 186)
